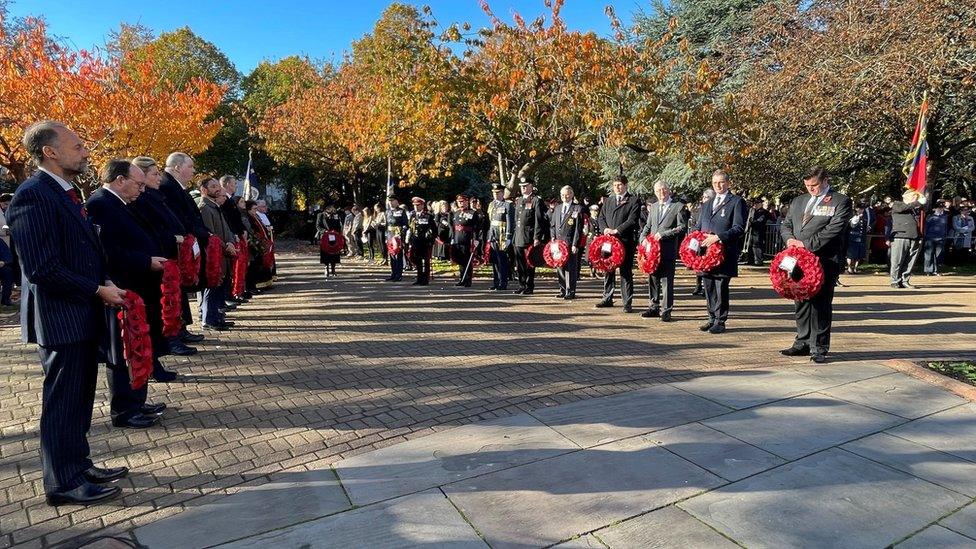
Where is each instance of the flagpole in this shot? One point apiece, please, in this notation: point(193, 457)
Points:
point(246, 190)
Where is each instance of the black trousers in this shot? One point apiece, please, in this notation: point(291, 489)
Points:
point(626, 277)
point(125, 401)
point(421, 259)
point(660, 293)
point(717, 296)
point(814, 316)
point(70, 376)
point(568, 275)
point(756, 247)
point(526, 272)
point(462, 254)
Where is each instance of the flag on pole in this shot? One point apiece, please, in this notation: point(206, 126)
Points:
point(250, 190)
point(916, 161)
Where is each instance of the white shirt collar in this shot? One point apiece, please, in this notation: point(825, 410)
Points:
point(116, 195)
point(64, 184)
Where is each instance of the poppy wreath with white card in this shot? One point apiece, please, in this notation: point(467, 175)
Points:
point(700, 258)
point(606, 253)
point(649, 255)
point(556, 254)
point(796, 273)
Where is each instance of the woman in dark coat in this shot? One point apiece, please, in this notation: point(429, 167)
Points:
point(442, 218)
point(328, 220)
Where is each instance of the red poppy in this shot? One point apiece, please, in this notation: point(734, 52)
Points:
point(703, 259)
point(804, 281)
point(606, 253)
point(556, 254)
point(172, 299)
point(189, 263)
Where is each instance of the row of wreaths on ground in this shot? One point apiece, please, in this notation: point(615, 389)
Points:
point(184, 273)
point(799, 282)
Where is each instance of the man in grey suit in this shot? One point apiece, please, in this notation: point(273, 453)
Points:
point(66, 288)
point(567, 225)
point(666, 223)
point(818, 222)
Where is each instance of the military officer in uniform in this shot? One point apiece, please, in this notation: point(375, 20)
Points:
point(666, 223)
point(530, 230)
point(567, 225)
point(620, 217)
point(465, 236)
point(396, 225)
point(723, 219)
point(422, 230)
point(818, 222)
point(501, 218)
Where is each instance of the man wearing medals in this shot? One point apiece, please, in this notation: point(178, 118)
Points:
point(567, 225)
point(723, 219)
point(396, 225)
point(464, 239)
point(421, 237)
point(818, 222)
point(501, 217)
point(530, 230)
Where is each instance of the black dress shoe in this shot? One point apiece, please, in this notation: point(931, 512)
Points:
point(164, 375)
point(520, 291)
point(138, 421)
point(650, 313)
point(560, 295)
point(666, 317)
point(570, 296)
point(459, 284)
point(527, 292)
point(179, 349)
point(215, 327)
point(153, 409)
point(909, 286)
point(229, 306)
point(189, 337)
point(699, 293)
point(795, 351)
point(896, 285)
point(717, 328)
point(603, 305)
point(492, 288)
point(99, 475)
point(628, 309)
point(819, 358)
point(706, 326)
point(85, 494)
point(416, 283)
point(227, 324)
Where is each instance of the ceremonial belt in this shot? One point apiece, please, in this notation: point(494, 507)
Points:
point(497, 222)
point(463, 228)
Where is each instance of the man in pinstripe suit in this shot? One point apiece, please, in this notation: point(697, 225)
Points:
point(65, 292)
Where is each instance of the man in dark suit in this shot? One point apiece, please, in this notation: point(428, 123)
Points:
point(620, 217)
point(567, 225)
point(212, 298)
point(666, 223)
point(530, 230)
point(169, 232)
point(757, 222)
point(723, 219)
point(135, 262)
point(178, 174)
point(66, 288)
point(818, 222)
point(906, 237)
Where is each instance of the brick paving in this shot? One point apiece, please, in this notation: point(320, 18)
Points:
point(319, 370)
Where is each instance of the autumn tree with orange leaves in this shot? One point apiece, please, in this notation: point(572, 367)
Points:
point(118, 113)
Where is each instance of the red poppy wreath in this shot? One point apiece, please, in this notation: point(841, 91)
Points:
point(172, 299)
point(803, 281)
point(649, 255)
point(556, 254)
point(700, 258)
point(606, 253)
point(136, 345)
point(189, 262)
point(215, 262)
point(332, 242)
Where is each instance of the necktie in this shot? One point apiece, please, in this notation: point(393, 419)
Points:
point(717, 203)
point(620, 200)
point(565, 209)
point(660, 211)
point(73, 195)
point(807, 212)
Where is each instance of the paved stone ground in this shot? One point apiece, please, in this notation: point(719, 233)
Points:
point(318, 371)
point(850, 454)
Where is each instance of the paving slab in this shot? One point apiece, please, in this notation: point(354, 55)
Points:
point(448, 456)
point(937, 537)
point(582, 542)
point(897, 394)
point(803, 425)
point(296, 498)
point(830, 499)
point(943, 469)
point(426, 519)
point(953, 431)
point(962, 521)
point(717, 452)
point(745, 389)
point(665, 528)
point(600, 420)
point(553, 500)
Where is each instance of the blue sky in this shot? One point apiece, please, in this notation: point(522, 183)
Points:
point(248, 31)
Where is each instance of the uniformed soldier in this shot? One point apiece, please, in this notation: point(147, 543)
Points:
point(464, 239)
point(396, 225)
point(818, 222)
point(530, 230)
point(501, 216)
point(567, 225)
point(421, 233)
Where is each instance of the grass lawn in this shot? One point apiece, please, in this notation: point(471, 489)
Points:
point(964, 371)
